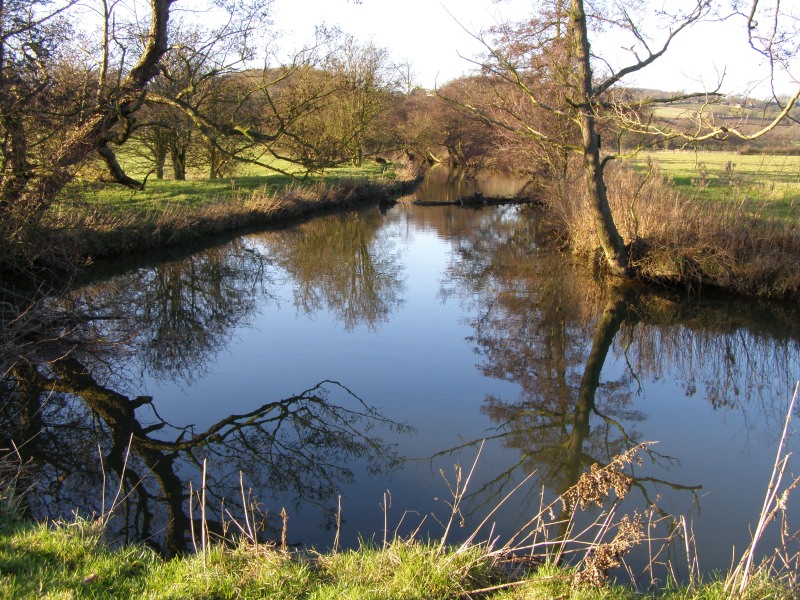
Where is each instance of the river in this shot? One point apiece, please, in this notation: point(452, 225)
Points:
point(353, 361)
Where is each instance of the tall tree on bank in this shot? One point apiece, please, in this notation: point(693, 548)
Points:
point(610, 239)
point(544, 70)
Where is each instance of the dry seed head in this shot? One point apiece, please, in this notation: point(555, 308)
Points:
point(594, 486)
point(604, 557)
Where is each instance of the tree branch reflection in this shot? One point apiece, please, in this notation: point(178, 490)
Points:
point(175, 316)
point(304, 444)
point(550, 328)
point(78, 390)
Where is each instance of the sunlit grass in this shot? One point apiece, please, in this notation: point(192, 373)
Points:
point(196, 191)
point(92, 219)
point(689, 110)
point(767, 185)
point(70, 561)
point(89, 230)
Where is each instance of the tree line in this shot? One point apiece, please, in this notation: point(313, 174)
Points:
point(140, 88)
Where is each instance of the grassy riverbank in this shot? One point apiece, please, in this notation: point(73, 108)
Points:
point(691, 220)
point(94, 221)
point(678, 236)
point(71, 561)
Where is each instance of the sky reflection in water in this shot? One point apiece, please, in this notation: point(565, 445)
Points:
point(437, 327)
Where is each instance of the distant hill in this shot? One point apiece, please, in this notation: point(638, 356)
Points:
point(731, 106)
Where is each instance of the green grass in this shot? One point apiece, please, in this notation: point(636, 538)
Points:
point(762, 184)
point(196, 191)
point(689, 110)
point(71, 561)
point(92, 220)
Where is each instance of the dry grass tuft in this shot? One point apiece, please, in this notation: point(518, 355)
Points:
point(13, 487)
point(678, 240)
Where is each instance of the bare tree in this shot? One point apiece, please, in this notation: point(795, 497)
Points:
point(289, 112)
point(774, 32)
point(548, 61)
point(364, 75)
point(29, 46)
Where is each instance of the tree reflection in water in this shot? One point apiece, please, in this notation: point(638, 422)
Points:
point(344, 264)
point(74, 397)
point(579, 355)
point(549, 328)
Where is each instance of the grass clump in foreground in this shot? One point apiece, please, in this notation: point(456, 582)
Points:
point(67, 561)
point(70, 560)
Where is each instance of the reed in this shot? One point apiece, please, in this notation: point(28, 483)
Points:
point(775, 505)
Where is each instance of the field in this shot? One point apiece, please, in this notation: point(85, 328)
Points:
point(197, 190)
point(767, 185)
point(688, 110)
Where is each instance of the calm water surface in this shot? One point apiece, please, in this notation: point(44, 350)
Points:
point(364, 355)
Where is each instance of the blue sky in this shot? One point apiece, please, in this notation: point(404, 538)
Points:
point(429, 33)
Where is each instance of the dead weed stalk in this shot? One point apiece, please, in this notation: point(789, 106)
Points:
point(783, 560)
point(590, 547)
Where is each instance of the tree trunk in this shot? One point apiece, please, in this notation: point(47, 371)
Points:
point(160, 152)
point(610, 239)
point(95, 133)
point(178, 156)
point(213, 162)
point(14, 176)
point(358, 157)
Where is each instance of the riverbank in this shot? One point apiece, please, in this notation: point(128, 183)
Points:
point(673, 240)
point(70, 560)
point(73, 558)
point(113, 234)
point(680, 241)
point(81, 229)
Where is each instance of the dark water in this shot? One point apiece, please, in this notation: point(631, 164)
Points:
point(364, 355)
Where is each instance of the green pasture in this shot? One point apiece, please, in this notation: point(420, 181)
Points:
point(197, 190)
point(764, 184)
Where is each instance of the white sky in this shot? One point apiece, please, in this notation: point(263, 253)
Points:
point(423, 32)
